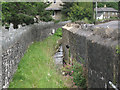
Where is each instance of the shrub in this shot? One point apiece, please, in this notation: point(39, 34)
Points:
point(118, 49)
point(113, 18)
point(85, 20)
point(59, 32)
point(76, 71)
point(78, 75)
point(56, 21)
point(67, 69)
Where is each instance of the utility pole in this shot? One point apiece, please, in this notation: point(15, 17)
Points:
point(96, 10)
point(94, 15)
point(119, 45)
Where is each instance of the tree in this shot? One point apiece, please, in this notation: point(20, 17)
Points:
point(23, 12)
point(108, 4)
point(78, 10)
point(66, 8)
point(44, 15)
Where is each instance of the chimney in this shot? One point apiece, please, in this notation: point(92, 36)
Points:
point(105, 5)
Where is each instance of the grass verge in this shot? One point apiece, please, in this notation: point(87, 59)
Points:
point(36, 69)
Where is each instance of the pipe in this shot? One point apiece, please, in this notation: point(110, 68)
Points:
point(113, 85)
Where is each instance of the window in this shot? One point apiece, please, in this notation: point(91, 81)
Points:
point(113, 13)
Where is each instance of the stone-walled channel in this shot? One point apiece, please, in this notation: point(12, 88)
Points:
point(95, 44)
point(14, 43)
point(58, 58)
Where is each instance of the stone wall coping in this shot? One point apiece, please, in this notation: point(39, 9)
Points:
point(9, 37)
point(90, 35)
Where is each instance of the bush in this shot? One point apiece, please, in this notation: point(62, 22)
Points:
point(92, 21)
point(59, 32)
point(67, 69)
point(76, 71)
point(56, 21)
point(85, 20)
point(118, 49)
point(78, 75)
point(113, 18)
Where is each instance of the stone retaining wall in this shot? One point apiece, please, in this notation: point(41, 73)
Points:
point(15, 43)
point(96, 50)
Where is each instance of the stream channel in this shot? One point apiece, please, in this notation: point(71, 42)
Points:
point(58, 58)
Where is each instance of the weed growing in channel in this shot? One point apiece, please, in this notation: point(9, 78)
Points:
point(78, 75)
point(76, 72)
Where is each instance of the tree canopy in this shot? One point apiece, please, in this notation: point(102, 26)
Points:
point(108, 4)
point(78, 10)
point(24, 12)
point(83, 10)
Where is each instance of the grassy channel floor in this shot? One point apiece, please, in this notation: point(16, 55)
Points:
point(36, 69)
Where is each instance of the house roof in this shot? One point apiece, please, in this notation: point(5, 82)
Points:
point(106, 9)
point(99, 14)
point(55, 6)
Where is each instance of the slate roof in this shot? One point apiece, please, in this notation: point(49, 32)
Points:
point(106, 9)
point(55, 6)
point(99, 14)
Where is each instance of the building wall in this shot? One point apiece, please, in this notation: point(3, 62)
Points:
point(57, 15)
point(101, 16)
point(106, 15)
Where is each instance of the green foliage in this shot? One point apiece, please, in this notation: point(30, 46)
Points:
point(24, 12)
point(114, 18)
point(78, 76)
point(67, 69)
point(59, 32)
point(92, 21)
point(56, 21)
point(118, 49)
point(78, 10)
point(7, 26)
point(37, 69)
point(108, 4)
point(86, 20)
point(66, 9)
point(76, 71)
